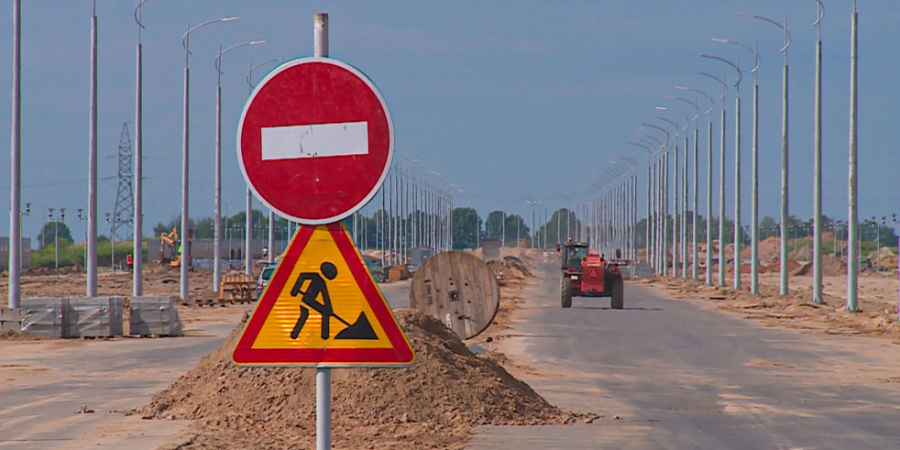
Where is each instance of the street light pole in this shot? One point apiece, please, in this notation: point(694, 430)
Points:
point(686, 190)
point(817, 164)
point(138, 248)
point(783, 291)
point(709, 98)
point(853, 224)
point(675, 206)
point(709, 172)
point(754, 208)
point(15, 167)
point(271, 257)
point(217, 219)
point(185, 161)
point(737, 177)
point(92, 167)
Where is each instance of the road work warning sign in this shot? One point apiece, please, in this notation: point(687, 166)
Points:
point(322, 309)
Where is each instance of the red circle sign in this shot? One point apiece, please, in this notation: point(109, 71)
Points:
point(315, 140)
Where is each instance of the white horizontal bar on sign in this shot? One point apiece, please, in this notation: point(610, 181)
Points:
point(315, 141)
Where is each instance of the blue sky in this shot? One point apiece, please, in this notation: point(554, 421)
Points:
point(508, 99)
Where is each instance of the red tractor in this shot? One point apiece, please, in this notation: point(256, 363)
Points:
point(585, 273)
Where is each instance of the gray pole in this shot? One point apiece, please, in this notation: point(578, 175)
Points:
point(675, 218)
point(15, 166)
point(853, 224)
point(684, 205)
point(92, 158)
point(248, 234)
point(784, 186)
point(722, 203)
point(185, 148)
point(185, 152)
point(217, 221)
point(737, 191)
point(217, 213)
point(784, 152)
point(271, 256)
point(737, 181)
point(138, 250)
point(709, 197)
point(323, 375)
point(817, 166)
point(754, 209)
point(694, 269)
point(649, 194)
point(665, 214)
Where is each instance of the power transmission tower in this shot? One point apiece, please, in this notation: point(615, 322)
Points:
point(123, 213)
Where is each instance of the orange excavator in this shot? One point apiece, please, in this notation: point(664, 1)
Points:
point(170, 240)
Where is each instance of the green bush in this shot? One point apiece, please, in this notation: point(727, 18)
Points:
point(72, 254)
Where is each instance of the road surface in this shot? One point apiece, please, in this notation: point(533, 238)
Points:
point(680, 376)
point(43, 384)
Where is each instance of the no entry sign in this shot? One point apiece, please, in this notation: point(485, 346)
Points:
point(315, 140)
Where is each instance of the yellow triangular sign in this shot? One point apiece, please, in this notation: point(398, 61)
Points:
point(322, 308)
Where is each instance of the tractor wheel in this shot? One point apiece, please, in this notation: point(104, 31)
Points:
point(618, 294)
point(565, 292)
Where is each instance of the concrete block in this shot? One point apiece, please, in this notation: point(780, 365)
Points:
point(95, 317)
point(154, 316)
point(10, 319)
point(44, 316)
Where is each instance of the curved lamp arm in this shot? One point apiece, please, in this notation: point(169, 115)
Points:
point(733, 65)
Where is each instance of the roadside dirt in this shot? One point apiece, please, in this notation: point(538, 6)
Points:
point(877, 301)
point(158, 280)
point(433, 404)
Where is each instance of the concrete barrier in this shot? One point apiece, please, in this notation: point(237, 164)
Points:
point(73, 317)
point(10, 319)
point(95, 316)
point(154, 316)
point(44, 316)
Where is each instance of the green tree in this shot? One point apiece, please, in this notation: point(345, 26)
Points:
point(238, 222)
point(556, 229)
point(47, 235)
point(493, 225)
point(466, 226)
point(517, 228)
point(174, 222)
point(205, 229)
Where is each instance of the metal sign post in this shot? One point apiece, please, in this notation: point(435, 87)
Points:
point(344, 129)
point(323, 374)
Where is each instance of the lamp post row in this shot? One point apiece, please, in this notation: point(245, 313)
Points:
point(658, 189)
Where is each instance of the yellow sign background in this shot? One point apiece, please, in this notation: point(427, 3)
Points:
point(347, 300)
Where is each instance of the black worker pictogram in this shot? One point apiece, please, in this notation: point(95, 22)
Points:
point(316, 287)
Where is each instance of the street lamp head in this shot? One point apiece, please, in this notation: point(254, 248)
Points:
point(720, 80)
point(737, 85)
point(787, 34)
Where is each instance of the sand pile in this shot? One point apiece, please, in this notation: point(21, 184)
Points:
point(434, 404)
point(512, 268)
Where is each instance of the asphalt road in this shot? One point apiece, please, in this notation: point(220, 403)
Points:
point(38, 408)
point(44, 383)
point(680, 376)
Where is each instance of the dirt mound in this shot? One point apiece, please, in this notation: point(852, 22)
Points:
point(17, 336)
point(511, 267)
point(830, 267)
point(433, 404)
